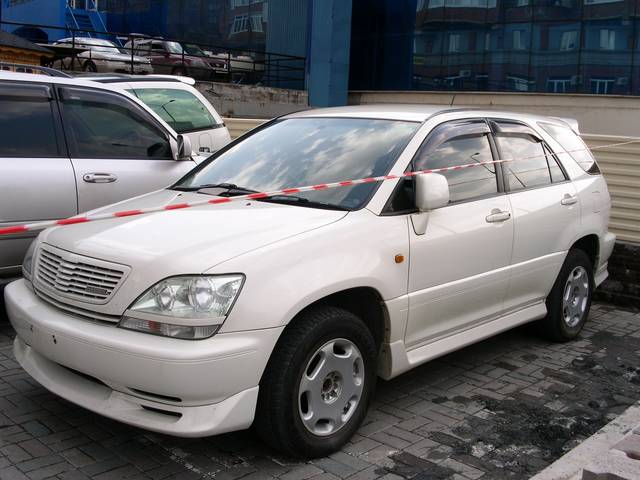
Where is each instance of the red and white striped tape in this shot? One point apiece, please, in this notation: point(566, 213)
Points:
point(27, 227)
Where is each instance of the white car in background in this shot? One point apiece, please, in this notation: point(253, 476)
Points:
point(177, 102)
point(101, 56)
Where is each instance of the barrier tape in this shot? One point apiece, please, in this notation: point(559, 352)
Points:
point(27, 227)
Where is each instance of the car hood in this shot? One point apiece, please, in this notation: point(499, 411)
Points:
point(185, 241)
point(120, 57)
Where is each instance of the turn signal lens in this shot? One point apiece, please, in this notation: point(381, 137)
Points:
point(184, 332)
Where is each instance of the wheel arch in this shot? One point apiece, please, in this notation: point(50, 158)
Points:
point(364, 302)
point(589, 244)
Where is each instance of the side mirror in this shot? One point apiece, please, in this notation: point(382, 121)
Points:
point(185, 150)
point(432, 191)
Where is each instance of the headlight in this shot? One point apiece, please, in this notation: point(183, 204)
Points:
point(190, 307)
point(27, 263)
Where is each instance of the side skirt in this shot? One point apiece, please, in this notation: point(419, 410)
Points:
point(403, 360)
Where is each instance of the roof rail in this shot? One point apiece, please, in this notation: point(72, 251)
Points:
point(13, 67)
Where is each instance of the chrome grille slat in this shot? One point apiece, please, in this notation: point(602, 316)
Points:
point(86, 314)
point(73, 276)
point(102, 273)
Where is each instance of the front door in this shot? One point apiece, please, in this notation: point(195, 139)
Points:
point(117, 149)
point(459, 263)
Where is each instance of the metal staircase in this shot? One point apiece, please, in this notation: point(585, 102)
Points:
point(85, 19)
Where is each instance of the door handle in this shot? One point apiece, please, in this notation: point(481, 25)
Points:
point(497, 215)
point(569, 199)
point(99, 177)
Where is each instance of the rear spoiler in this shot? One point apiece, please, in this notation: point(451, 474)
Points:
point(572, 122)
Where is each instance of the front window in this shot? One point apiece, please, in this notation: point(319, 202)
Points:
point(179, 108)
point(309, 151)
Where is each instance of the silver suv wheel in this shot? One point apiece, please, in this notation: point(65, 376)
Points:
point(331, 387)
point(576, 296)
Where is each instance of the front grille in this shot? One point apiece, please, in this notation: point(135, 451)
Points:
point(99, 318)
point(77, 277)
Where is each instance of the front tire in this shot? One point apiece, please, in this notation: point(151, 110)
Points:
point(569, 302)
point(318, 383)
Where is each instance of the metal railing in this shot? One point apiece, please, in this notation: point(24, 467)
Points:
point(143, 54)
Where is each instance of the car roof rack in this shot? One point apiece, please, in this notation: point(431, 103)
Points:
point(22, 68)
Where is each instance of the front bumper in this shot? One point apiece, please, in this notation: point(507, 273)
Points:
point(178, 387)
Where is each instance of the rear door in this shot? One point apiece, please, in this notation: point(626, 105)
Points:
point(36, 176)
point(546, 212)
point(117, 149)
point(458, 272)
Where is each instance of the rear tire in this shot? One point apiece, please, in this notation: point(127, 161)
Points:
point(180, 71)
point(569, 302)
point(89, 66)
point(317, 385)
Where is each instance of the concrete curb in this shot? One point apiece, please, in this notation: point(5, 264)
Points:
point(594, 453)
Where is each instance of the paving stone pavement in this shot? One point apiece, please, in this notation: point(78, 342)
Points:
point(504, 408)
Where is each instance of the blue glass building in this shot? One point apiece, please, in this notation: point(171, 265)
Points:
point(559, 46)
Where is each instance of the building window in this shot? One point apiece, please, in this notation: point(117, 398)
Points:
point(242, 23)
point(569, 40)
point(518, 40)
point(522, 3)
point(607, 39)
point(602, 86)
point(243, 3)
point(454, 42)
point(519, 84)
point(559, 85)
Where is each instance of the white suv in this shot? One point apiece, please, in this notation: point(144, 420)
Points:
point(281, 311)
point(180, 104)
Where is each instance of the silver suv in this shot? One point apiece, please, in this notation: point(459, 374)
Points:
point(69, 145)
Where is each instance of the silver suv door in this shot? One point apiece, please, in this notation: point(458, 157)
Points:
point(36, 177)
point(117, 149)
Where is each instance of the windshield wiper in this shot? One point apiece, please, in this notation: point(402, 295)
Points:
point(228, 187)
point(302, 201)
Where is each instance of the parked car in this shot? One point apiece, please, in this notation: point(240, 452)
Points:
point(169, 57)
point(180, 104)
point(101, 56)
point(281, 311)
point(69, 145)
point(218, 63)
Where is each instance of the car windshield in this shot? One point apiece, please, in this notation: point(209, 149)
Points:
point(179, 108)
point(308, 151)
point(194, 50)
point(174, 47)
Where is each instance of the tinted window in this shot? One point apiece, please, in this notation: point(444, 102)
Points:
point(102, 125)
point(26, 123)
point(446, 148)
point(574, 146)
point(179, 108)
point(528, 166)
point(308, 151)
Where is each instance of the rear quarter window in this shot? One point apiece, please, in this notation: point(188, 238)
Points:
point(574, 146)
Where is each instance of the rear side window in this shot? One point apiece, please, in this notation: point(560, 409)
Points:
point(532, 164)
point(103, 125)
point(27, 126)
point(574, 146)
point(179, 108)
point(459, 143)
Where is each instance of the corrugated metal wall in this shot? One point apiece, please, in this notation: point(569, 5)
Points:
point(620, 165)
point(621, 168)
